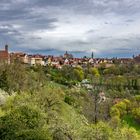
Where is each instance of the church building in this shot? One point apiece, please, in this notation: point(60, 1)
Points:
point(4, 55)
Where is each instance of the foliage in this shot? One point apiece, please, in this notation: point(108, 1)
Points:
point(48, 103)
point(114, 112)
point(136, 113)
point(95, 72)
point(23, 122)
point(79, 74)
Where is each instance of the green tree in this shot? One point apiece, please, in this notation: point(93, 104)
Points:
point(78, 73)
point(136, 113)
point(95, 72)
point(121, 106)
point(24, 122)
point(4, 81)
point(114, 112)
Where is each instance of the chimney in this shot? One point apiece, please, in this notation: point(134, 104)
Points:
point(6, 48)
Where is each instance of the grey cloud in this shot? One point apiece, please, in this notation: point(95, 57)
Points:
point(103, 33)
point(40, 23)
point(97, 7)
point(129, 20)
point(92, 31)
point(8, 29)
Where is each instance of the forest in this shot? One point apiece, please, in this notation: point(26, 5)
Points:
point(46, 103)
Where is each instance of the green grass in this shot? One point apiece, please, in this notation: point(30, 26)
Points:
point(131, 122)
point(72, 117)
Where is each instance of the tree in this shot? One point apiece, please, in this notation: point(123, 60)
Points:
point(95, 72)
point(114, 112)
point(122, 108)
point(136, 114)
point(4, 81)
point(129, 134)
point(78, 73)
point(99, 131)
point(24, 122)
point(112, 70)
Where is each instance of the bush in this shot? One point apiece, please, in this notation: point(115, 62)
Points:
point(121, 106)
point(69, 100)
point(136, 114)
point(23, 122)
point(114, 112)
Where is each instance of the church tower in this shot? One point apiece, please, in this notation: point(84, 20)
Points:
point(92, 55)
point(6, 48)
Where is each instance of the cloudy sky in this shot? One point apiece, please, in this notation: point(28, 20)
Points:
point(106, 27)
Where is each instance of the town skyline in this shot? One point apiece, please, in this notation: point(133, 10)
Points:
point(77, 54)
point(67, 58)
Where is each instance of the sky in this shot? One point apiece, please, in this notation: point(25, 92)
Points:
point(109, 28)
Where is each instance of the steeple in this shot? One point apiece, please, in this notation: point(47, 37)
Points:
point(6, 48)
point(92, 55)
point(66, 52)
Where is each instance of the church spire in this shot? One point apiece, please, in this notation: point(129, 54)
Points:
point(92, 55)
point(6, 48)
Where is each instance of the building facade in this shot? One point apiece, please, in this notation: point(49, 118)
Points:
point(4, 55)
